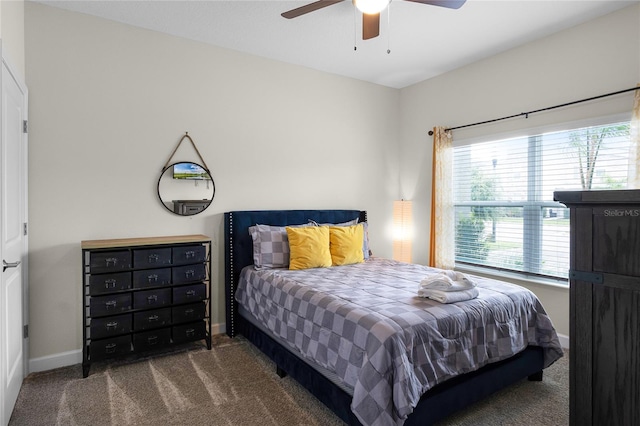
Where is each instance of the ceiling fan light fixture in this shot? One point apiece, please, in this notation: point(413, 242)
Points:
point(371, 7)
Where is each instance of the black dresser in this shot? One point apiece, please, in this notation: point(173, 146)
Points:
point(604, 307)
point(144, 294)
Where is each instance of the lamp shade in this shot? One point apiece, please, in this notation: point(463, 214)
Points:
point(371, 7)
point(402, 230)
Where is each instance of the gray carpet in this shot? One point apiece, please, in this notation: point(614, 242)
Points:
point(234, 384)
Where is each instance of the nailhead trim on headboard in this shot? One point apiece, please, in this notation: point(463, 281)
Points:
point(239, 247)
point(232, 284)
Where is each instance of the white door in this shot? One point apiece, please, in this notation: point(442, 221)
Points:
point(13, 239)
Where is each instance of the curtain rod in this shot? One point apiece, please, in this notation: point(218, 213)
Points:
point(526, 114)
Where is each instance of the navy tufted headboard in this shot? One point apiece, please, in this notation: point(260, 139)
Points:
point(238, 244)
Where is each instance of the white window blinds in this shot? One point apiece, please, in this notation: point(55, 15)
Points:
point(505, 214)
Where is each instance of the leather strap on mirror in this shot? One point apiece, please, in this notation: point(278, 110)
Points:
point(186, 136)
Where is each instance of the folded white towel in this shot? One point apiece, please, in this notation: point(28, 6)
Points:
point(449, 296)
point(447, 281)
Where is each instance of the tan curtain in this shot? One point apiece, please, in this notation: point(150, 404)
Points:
point(634, 151)
point(441, 245)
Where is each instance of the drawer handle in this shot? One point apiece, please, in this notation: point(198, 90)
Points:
point(111, 261)
point(152, 340)
point(188, 312)
point(152, 299)
point(189, 254)
point(111, 304)
point(112, 325)
point(190, 293)
point(110, 348)
point(190, 332)
point(153, 258)
point(110, 283)
point(153, 318)
point(153, 278)
point(190, 273)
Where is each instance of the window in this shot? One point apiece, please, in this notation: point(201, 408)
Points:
point(504, 210)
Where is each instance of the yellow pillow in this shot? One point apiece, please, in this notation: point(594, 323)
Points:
point(309, 247)
point(346, 244)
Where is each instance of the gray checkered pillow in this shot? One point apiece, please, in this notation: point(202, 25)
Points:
point(270, 246)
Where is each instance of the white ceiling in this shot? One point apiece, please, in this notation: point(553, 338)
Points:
point(425, 40)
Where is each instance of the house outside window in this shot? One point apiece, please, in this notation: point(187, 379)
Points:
point(505, 216)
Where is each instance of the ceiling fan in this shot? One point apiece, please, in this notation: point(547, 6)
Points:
point(370, 11)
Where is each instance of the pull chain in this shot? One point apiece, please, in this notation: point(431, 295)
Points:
point(355, 29)
point(389, 28)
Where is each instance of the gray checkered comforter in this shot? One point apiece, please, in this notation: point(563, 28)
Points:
point(366, 323)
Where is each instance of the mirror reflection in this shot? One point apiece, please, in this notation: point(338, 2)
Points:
point(186, 188)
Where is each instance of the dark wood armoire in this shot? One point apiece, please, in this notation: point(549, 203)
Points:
point(604, 280)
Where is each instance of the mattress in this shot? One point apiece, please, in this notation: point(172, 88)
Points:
point(366, 324)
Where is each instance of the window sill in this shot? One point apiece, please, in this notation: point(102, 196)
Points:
point(513, 277)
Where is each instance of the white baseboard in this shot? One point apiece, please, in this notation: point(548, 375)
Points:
point(51, 362)
point(218, 328)
point(564, 341)
point(64, 359)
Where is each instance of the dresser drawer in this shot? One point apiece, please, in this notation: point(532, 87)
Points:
point(110, 305)
point(109, 261)
point(189, 273)
point(151, 278)
point(189, 332)
point(151, 258)
point(151, 339)
point(110, 326)
point(189, 293)
point(152, 319)
point(109, 283)
point(189, 254)
point(152, 298)
point(106, 348)
point(186, 313)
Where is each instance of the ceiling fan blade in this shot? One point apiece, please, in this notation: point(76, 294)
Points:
point(311, 7)
point(370, 26)
point(450, 4)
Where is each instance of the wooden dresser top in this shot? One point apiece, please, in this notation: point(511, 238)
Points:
point(147, 241)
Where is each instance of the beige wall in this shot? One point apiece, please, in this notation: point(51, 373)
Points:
point(597, 57)
point(108, 104)
point(12, 33)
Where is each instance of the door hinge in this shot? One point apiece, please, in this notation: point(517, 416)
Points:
point(25, 228)
point(25, 126)
point(26, 331)
point(586, 276)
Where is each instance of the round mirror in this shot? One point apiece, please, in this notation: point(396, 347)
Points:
point(186, 188)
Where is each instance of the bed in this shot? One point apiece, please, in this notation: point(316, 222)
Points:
point(340, 389)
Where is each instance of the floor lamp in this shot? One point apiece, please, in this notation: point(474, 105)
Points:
point(402, 225)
